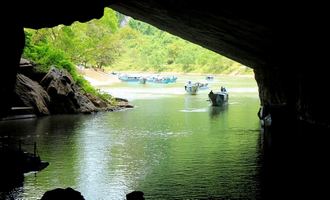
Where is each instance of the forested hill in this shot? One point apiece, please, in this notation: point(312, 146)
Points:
point(117, 42)
point(148, 48)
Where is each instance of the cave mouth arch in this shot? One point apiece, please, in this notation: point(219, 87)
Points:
point(265, 35)
point(256, 36)
point(98, 155)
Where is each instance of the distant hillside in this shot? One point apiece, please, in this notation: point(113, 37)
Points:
point(146, 48)
point(118, 42)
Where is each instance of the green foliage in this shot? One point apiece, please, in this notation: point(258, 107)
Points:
point(136, 46)
point(109, 21)
point(145, 47)
point(142, 27)
point(91, 44)
point(88, 88)
point(41, 52)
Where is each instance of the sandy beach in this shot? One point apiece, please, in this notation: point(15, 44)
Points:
point(98, 78)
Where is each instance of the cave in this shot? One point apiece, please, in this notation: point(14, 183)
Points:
point(280, 42)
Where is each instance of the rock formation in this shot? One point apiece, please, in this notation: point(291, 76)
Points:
point(60, 193)
point(57, 93)
point(66, 96)
point(31, 94)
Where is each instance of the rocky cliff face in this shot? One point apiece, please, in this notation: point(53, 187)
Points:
point(66, 96)
point(31, 94)
point(56, 93)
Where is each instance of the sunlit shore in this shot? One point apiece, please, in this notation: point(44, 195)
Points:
point(99, 78)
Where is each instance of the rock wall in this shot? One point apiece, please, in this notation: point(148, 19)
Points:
point(57, 93)
point(12, 43)
point(31, 94)
point(66, 96)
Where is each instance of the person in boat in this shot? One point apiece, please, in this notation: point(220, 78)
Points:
point(223, 89)
point(188, 83)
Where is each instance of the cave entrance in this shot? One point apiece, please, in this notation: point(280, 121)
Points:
point(150, 147)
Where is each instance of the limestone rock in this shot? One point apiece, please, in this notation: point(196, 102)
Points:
point(32, 94)
point(60, 193)
point(66, 96)
point(98, 102)
point(123, 103)
point(26, 63)
point(27, 68)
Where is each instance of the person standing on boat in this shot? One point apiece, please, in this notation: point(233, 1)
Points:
point(188, 84)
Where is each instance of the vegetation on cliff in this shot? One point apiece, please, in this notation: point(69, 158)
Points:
point(117, 42)
point(42, 52)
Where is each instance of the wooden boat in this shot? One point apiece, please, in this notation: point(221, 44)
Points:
point(218, 98)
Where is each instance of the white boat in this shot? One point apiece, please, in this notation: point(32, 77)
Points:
point(161, 79)
point(191, 88)
point(129, 78)
point(202, 86)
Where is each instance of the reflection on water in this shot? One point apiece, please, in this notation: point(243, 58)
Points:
point(215, 111)
point(170, 146)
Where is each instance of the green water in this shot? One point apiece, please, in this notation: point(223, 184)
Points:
point(170, 146)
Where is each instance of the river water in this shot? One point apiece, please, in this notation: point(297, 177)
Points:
point(170, 146)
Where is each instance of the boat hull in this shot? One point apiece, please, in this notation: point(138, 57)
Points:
point(218, 98)
point(191, 89)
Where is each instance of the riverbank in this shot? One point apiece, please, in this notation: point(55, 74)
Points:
point(100, 78)
point(56, 92)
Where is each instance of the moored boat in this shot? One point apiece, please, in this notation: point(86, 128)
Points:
point(143, 80)
point(128, 78)
point(161, 79)
point(202, 86)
